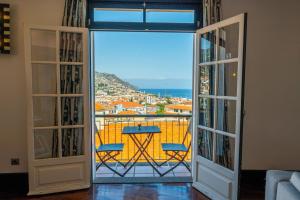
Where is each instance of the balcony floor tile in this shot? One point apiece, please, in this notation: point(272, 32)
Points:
point(143, 171)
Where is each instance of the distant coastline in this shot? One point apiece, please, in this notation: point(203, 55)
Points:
point(180, 93)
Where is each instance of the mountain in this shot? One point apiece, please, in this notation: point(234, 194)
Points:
point(162, 83)
point(111, 84)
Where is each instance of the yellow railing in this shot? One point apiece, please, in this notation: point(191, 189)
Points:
point(173, 129)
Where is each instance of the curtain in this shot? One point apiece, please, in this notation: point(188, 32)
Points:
point(71, 50)
point(75, 13)
point(223, 151)
point(212, 14)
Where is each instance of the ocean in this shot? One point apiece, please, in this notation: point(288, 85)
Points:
point(182, 93)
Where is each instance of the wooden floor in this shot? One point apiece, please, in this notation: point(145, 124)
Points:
point(163, 191)
point(180, 191)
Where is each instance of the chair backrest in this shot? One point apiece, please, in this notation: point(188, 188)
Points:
point(98, 134)
point(188, 130)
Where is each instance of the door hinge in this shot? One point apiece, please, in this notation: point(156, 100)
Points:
point(243, 114)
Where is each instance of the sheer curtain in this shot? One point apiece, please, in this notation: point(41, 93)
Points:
point(71, 77)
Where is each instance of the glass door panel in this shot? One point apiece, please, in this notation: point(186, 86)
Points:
point(44, 111)
point(46, 143)
point(72, 142)
point(208, 47)
point(228, 41)
point(71, 78)
point(71, 46)
point(226, 115)
point(207, 80)
point(44, 79)
point(206, 112)
point(227, 79)
point(72, 111)
point(205, 143)
point(225, 151)
point(43, 45)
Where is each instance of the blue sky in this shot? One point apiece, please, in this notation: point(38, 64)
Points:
point(146, 59)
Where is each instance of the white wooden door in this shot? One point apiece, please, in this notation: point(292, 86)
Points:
point(58, 109)
point(218, 88)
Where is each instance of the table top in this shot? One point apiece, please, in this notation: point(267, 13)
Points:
point(140, 130)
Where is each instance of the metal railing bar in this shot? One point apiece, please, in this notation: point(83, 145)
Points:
point(143, 115)
point(159, 138)
point(174, 134)
point(172, 131)
point(153, 141)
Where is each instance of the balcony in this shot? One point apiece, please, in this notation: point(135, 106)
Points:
point(173, 130)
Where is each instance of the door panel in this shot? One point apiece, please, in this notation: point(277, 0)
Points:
point(58, 119)
point(210, 178)
point(217, 102)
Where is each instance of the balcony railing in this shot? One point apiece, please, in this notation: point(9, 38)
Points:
point(173, 130)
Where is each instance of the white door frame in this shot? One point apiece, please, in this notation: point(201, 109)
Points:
point(212, 179)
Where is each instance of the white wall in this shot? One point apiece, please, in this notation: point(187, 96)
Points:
point(271, 130)
point(271, 136)
point(12, 78)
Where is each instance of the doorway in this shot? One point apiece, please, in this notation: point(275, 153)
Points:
point(217, 113)
point(142, 78)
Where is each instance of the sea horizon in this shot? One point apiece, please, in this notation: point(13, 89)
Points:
point(180, 93)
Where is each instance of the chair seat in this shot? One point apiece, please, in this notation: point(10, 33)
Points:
point(173, 147)
point(111, 147)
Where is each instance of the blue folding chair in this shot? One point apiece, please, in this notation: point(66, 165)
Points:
point(177, 151)
point(111, 151)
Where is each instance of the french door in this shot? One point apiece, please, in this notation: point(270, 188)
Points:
point(58, 109)
point(218, 87)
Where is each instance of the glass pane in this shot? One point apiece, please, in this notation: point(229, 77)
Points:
point(72, 111)
point(118, 15)
point(207, 47)
point(170, 16)
point(44, 79)
point(229, 41)
point(227, 79)
point(71, 47)
point(71, 79)
point(226, 115)
point(43, 45)
point(225, 151)
point(44, 111)
point(207, 81)
point(45, 144)
point(205, 143)
point(72, 142)
point(206, 112)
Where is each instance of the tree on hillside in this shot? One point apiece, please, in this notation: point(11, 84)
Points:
point(161, 108)
point(169, 101)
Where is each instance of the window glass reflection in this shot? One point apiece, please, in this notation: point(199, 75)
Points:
point(206, 112)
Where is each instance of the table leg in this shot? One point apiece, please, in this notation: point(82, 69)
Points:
point(148, 155)
point(143, 151)
point(136, 153)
